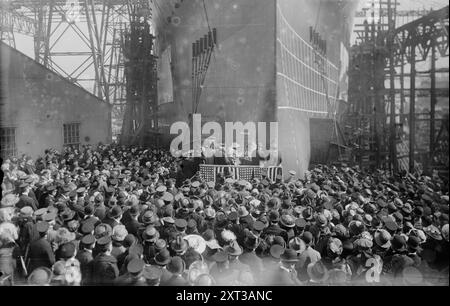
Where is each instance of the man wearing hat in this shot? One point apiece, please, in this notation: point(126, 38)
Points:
point(249, 256)
point(85, 258)
point(133, 276)
point(114, 216)
point(286, 274)
point(150, 236)
point(176, 266)
point(25, 199)
point(48, 197)
point(132, 224)
point(309, 255)
point(274, 229)
point(234, 251)
point(104, 266)
point(41, 252)
point(152, 275)
point(220, 269)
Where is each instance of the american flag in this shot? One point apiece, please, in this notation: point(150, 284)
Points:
point(209, 172)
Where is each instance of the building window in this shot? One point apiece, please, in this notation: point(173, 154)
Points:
point(8, 142)
point(72, 135)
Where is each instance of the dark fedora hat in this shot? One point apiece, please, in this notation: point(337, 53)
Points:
point(398, 243)
point(289, 256)
point(115, 212)
point(162, 258)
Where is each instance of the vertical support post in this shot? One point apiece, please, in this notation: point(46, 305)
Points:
point(412, 109)
point(402, 90)
point(433, 101)
point(393, 144)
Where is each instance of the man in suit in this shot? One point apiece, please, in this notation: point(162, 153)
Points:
point(286, 275)
point(41, 253)
point(86, 258)
point(274, 229)
point(104, 266)
point(89, 216)
point(249, 256)
point(25, 199)
point(114, 216)
point(132, 224)
point(176, 266)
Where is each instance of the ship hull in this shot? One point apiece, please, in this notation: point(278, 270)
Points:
point(264, 68)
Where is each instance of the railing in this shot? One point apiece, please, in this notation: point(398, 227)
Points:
point(209, 172)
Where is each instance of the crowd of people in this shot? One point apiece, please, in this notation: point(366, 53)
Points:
point(114, 215)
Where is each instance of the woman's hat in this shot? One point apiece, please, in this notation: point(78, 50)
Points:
point(287, 221)
point(433, 232)
point(383, 238)
point(196, 242)
point(119, 233)
point(40, 276)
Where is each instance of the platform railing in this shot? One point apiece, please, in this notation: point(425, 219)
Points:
point(209, 173)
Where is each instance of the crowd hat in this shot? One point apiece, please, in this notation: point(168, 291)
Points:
point(196, 242)
point(335, 246)
point(135, 266)
point(363, 244)
point(67, 214)
point(307, 237)
point(179, 245)
point(274, 216)
point(9, 200)
point(433, 232)
point(119, 233)
point(180, 224)
point(297, 245)
point(383, 238)
point(413, 243)
point(289, 256)
point(160, 244)
point(149, 217)
point(162, 258)
point(26, 211)
point(317, 272)
point(115, 212)
point(176, 265)
point(287, 221)
point(67, 250)
point(88, 240)
point(398, 243)
point(40, 277)
point(152, 274)
point(151, 234)
point(42, 227)
point(276, 250)
point(87, 228)
point(234, 249)
point(103, 242)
